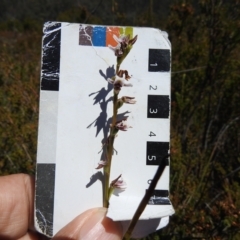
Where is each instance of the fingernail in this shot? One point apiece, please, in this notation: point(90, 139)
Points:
point(99, 227)
point(93, 227)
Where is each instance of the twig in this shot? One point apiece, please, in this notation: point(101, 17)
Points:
point(147, 196)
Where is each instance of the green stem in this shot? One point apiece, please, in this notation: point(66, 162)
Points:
point(110, 143)
point(106, 184)
point(117, 68)
point(115, 100)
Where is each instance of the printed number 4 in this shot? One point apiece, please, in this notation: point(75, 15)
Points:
point(152, 134)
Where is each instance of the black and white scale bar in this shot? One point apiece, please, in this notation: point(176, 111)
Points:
point(51, 57)
point(44, 202)
point(159, 197)
point(45, 168)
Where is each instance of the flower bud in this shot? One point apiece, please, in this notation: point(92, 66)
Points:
point(129, 100)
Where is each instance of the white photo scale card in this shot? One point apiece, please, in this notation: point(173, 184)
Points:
point(74, 119)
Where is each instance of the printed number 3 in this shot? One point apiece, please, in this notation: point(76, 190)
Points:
point(150, 158)
point(153, 111)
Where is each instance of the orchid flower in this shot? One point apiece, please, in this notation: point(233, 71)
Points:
point(125, 99)
point(117, 50)
point(122, 73)
point(124, 42)
point(119, 82)
point(122, 125)
point(101, 164)
point(118, 183)
point(129, 100)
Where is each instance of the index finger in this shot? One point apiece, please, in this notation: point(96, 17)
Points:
point(16, 205)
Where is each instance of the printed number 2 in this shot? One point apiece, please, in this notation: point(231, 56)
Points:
point(151, 87)
point(150, 158)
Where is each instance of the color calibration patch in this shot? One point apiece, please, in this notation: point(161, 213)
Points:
point(100, 36)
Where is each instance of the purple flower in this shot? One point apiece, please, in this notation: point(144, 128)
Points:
point(118, 183)
point(122, 125)
point(123, 43)
point(101, 164)
point(122, 73)
point(117, 50)
point(119, 82)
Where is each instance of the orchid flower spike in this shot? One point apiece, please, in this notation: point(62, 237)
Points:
point(118, 183)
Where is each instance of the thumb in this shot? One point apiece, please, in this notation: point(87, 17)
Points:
point(91, 225)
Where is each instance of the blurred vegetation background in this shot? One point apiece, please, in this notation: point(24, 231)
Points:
point(205, 129)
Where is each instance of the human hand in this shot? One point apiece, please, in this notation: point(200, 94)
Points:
point(17, 218)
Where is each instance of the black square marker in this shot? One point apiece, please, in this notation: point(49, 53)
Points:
point(50, 85)
point(51, 58)
point(159, 197)
point(45, 187)
point(156, 151)
point(158, 106)
point(160, 193)
point(159, 60)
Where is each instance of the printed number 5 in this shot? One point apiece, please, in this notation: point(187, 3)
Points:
point(152, 111)
point(152, 158)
